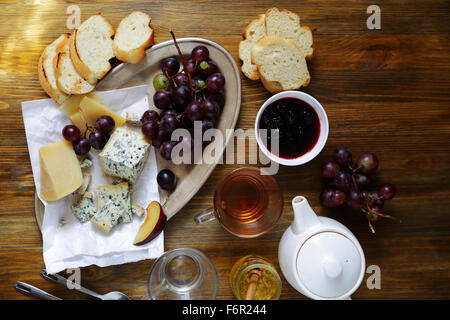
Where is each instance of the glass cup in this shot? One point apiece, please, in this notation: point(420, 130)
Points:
point(183, 274)
point(246, 203)
point(254, 278)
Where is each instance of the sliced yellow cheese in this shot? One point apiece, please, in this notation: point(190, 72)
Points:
point(72, 104)
point(79, 121)
point(60, 171)
point(92, 110)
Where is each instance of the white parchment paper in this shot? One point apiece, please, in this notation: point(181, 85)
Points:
point(67, 243)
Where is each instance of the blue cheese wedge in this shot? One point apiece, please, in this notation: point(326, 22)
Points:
point(125, 154)
point(84, 209)
point(118, 195)
point(107, 217)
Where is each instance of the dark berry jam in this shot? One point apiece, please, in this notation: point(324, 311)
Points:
point(298, 126)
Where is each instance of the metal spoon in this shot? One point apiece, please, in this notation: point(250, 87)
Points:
point(32, 291)
point(114, 295)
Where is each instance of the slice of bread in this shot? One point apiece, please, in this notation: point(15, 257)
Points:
point(286, 24)
point(252, 33)
point(281, 65)
point(91, 48)
point(67, 78)
point(133, 36)
point(46, 69)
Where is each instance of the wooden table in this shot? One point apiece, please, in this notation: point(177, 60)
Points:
point(385, 91)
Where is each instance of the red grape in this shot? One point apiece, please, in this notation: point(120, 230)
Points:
point(166, 180)
point(362, 181)
point(199, 54)
point(211, 109)
point(162, 99)
point(170, 66)
point(81, 147)
point(343, 181)
point(71, 133)
point(367, 163)
point(355, 199)
point(330, 169)
point(105, 124)
point(342, 156)
point(166, 149)
point(97, 139)
point(192, 68)
point(215, 82)
point(150, 129)
point(162, 136)
point(169, 123)
point(150, 115)
point(387, 190)
point(194, 111)
point(332, 198)
point(181, 79)
point(180, 97)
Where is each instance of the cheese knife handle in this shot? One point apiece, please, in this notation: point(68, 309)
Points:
point(32, 291)
point(56, 278)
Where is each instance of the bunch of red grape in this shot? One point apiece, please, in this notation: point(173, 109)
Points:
point(95, 137)
point(194, 93)
point(349, 182)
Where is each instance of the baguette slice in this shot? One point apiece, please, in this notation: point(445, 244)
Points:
point(252, 33)
point(286, 24)
point(67, 78)
point(281, 65)
point(133, 36)
point(91, 47)
point(46, 70)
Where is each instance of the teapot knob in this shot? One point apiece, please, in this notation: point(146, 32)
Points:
point(332, 267)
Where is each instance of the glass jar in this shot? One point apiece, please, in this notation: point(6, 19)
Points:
point(267, 282)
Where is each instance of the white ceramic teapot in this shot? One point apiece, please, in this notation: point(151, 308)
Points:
point(319, 256)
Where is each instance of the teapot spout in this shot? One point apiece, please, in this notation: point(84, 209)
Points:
point(304, 216)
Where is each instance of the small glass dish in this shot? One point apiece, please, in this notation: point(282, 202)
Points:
point(183, 274)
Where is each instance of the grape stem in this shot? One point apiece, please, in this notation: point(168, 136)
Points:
point(182, 61)
point(370, 224)
point(381, 214)
point(354, 181)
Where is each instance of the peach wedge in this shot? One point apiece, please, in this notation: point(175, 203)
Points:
point(154, 223)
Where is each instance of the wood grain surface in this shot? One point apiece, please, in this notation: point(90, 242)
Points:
point(385, 91)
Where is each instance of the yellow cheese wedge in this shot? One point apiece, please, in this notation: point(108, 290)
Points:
point(60, 171)
point(92, 110)
point(79, 121)
point(72, 104)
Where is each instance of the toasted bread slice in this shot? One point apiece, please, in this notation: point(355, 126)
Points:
point(67, 78)
point(46, 69)
point(252, 33)
point(286, 24)
point(281, 65)
point(133, 36)
point(91, 48)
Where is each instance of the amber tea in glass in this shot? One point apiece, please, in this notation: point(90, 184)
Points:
point(246, 203)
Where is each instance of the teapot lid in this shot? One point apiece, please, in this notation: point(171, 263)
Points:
point(330, 265)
